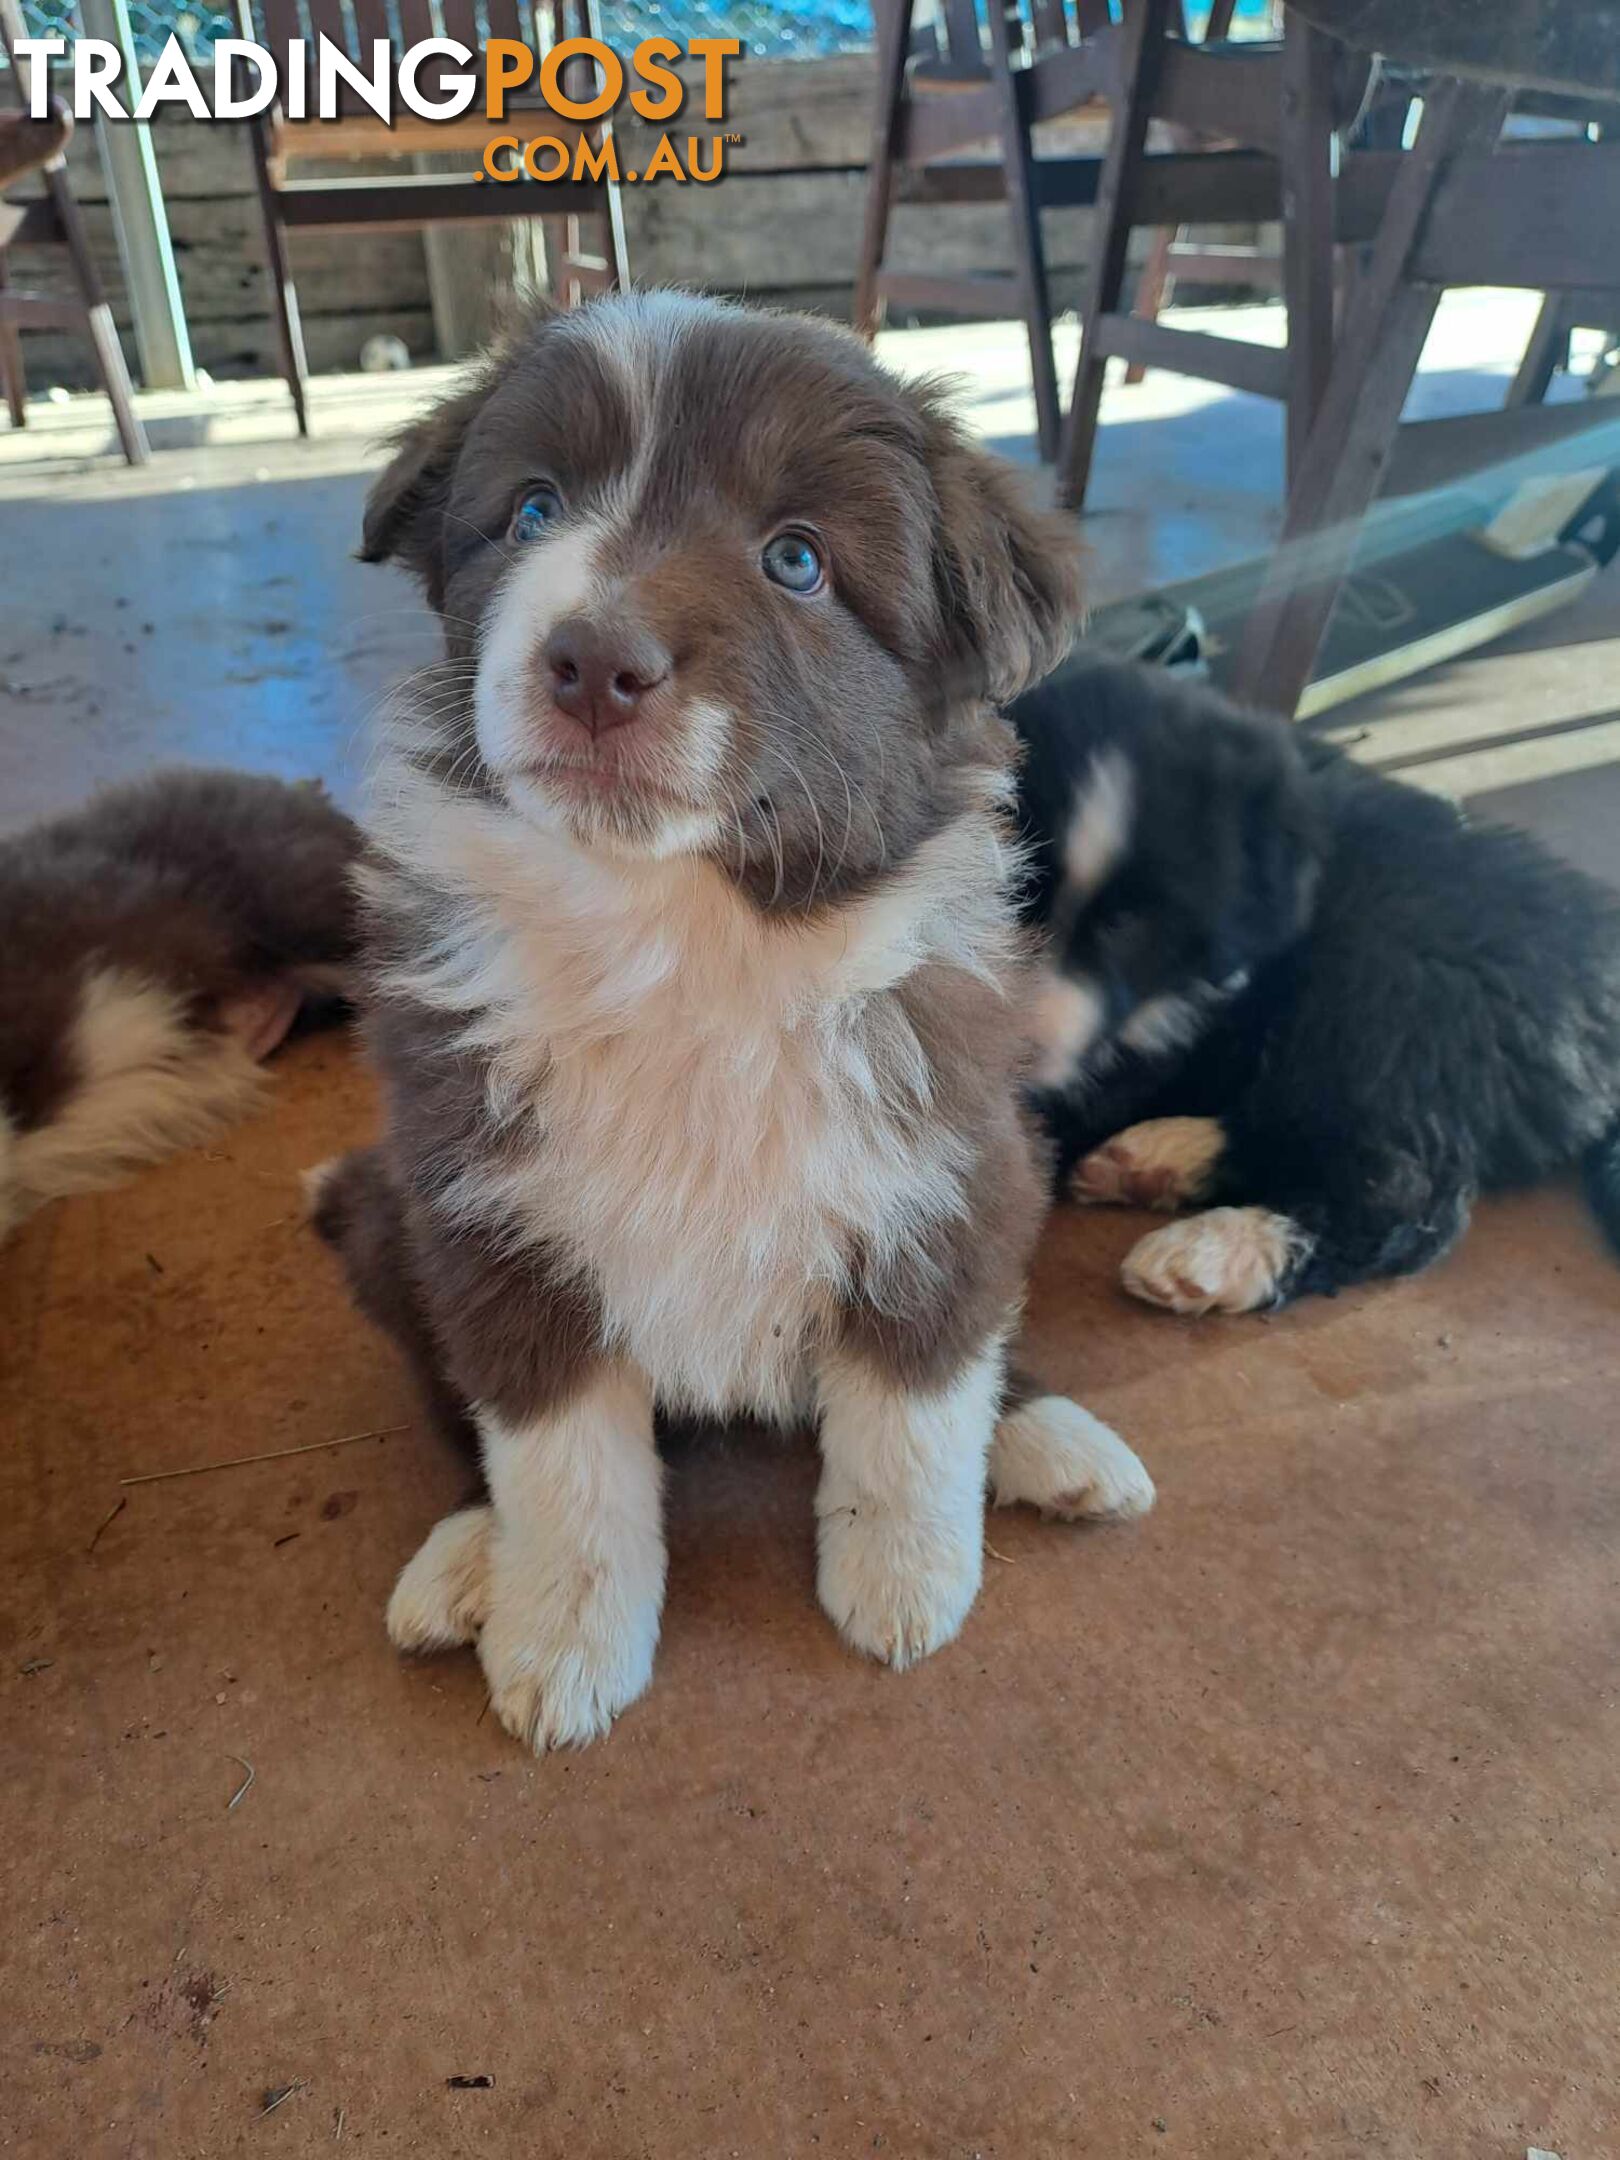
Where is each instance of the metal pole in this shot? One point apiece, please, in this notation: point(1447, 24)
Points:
point(139, 220)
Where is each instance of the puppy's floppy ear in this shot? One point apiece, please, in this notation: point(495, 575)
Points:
point(1276, 843)
point(404, 515)
point(1009, 574)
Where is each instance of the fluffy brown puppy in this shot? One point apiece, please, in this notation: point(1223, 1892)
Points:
point(157, 945)
point(699, 994)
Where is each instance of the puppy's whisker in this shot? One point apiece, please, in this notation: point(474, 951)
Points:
point(488, 539)
point(851, 788)
point(729, 804)
point(412, 610)
point(815, 812)
point(777, 850)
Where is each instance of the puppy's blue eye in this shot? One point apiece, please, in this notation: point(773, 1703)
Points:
point(793, 561)
point(538, 510)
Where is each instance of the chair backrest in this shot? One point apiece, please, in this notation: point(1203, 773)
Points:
point(1057, 23)
point(957, 41)
point(353, 29)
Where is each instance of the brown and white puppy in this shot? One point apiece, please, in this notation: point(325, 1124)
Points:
point(157, 945)
point(698, 986)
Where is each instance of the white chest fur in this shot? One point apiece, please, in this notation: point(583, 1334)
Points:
point(709, 1112)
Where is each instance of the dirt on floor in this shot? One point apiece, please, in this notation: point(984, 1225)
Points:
point(1282, 1823)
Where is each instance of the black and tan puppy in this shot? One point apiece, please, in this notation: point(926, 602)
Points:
point(1317, 1008)
point(157, 945)
point(699, 989)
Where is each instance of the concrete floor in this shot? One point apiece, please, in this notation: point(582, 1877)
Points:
point(1282, 1824)
point(208, 607)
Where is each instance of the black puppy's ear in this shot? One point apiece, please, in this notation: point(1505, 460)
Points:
point(404, 516)
point(1279, 846)
point(1009, 574)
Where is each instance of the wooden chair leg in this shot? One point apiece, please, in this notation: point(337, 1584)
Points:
point(13, 375)
point(1307, 184)
point(1154, 286)
point(577, 268)
point(1156, 283)
point(614, 249)
point(1111, 232)
point(98, 317)
point(1546, 353)
point(115, 381)
point(1374, 360)
point(283, 292)
point(1029, 253)
point(894, 38)
point(554, 237)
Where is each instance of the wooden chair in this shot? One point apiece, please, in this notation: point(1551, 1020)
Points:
point(1170, 252)
point(366, 199)
point(53, 218)
point(976, 84)
point(960, 83)
point(1273, 106)
point(1458, 208)
point(1547, 353)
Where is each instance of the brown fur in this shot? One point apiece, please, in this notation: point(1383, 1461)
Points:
point(512, 1330)
point(969, 1275)
point(359, 1212)
point(214, 884)
point(861, 727)
point(951, 588)
point(478, 1319)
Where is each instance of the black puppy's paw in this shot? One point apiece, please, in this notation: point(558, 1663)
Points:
point(1225, 1260)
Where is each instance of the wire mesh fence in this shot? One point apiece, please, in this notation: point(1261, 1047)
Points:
point(769, 29)
point(773, 29)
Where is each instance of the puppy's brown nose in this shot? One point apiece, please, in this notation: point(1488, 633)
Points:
point(599, 674)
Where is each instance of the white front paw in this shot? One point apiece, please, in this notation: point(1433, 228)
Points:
point(442, 1594)
point(565, 1648)
point(1052, 1455)
point(896, 1586)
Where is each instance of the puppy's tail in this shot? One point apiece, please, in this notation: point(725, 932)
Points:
point(147, 1082)
point(1602, 1168)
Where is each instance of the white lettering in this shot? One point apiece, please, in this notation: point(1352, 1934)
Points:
point(460, 89)
point(333, 66)
point(171, 82)
point(234, 97)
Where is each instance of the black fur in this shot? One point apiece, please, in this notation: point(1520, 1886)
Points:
point(1431, 1008)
